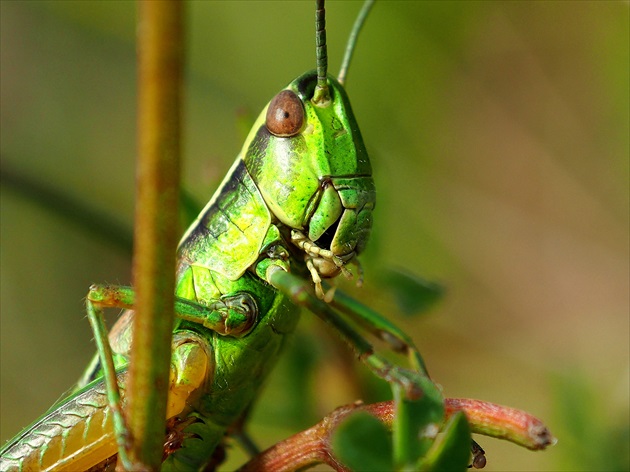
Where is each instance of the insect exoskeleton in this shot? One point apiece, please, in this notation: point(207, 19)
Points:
point(318, 185)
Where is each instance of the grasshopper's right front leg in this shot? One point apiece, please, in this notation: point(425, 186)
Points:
point(233, 315)
point(300, 293)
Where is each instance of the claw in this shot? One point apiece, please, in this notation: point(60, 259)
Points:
point(175, 434)
point(479, 458)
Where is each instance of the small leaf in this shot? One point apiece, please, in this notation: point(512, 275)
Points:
point(413, 294)
point(417, 422)
point(451, 451)
point(363, 443)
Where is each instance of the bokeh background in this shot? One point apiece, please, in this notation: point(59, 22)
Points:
point(498, 133)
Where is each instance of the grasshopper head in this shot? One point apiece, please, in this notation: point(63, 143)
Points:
point(313, 171)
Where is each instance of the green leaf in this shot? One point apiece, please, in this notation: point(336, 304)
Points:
point(363, 443)
point(451, 451)
point(413, 294)
point(417, 422)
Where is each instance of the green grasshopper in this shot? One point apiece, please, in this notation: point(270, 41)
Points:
point(294, 209)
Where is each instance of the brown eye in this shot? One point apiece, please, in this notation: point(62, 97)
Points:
point(285, 114)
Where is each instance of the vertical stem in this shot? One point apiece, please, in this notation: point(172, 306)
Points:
point(160, 50)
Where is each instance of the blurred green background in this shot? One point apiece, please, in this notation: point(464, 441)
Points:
point(498, 133)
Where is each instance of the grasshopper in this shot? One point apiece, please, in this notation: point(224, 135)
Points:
point(294, 209)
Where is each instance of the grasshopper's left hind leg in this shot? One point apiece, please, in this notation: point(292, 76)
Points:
point(235, 315)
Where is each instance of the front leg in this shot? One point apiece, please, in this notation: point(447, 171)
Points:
point(300, 292)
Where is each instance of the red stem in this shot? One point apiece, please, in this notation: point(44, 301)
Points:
point(313, 446)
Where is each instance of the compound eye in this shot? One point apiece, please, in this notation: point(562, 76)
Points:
point(285, 114)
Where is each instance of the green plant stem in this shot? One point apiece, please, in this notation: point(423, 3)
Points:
point(160, 50)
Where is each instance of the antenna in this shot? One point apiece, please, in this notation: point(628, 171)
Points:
point(352, 40)
point(321, 96)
